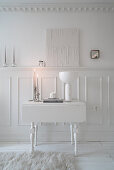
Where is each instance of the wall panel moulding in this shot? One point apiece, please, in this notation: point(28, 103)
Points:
point(56, 7)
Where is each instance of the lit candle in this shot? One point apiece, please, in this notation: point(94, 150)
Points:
point(34, 78)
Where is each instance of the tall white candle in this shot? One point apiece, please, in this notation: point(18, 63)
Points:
point(34, 78)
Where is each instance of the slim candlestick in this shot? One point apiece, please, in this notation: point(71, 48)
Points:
point(5, 60)
point(5, 54)
point(13, 55)
point(13, 64)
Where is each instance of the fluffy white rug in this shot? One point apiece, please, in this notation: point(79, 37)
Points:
point(37, 161)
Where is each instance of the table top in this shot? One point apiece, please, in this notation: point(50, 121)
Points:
point(64, 103)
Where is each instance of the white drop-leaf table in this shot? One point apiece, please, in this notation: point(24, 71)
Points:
point(66, 112)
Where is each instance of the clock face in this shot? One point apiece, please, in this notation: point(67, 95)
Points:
point(95, 54)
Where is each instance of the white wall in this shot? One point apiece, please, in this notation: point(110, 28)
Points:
point(27, 32)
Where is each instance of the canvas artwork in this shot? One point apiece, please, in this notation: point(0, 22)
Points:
point(62, 47)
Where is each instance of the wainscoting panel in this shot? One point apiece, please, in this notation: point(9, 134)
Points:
point(111, 99)
point(5, 101)
point(24, 94)
point(94, 100)
point(48, 85)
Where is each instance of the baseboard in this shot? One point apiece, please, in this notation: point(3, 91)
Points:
point(61, 136)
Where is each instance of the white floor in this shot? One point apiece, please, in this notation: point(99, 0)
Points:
point(91, 155)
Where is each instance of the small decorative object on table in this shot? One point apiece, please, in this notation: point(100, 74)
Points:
point(53, 100)
point(95, 54)
point(41, 63)
point(13, 63)
point(5, 59)
point(52, 95)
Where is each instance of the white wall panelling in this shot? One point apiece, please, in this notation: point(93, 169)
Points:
point(90, 85)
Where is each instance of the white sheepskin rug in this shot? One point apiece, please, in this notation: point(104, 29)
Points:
point(37, 161)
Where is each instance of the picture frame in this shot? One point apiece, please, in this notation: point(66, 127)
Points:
point(95, 54)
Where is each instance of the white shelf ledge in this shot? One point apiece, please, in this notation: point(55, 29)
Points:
point(29, 68)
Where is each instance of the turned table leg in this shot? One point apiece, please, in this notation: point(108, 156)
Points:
point(75, 138)
point(71, 133)
point(36, 134)
point(32, 132)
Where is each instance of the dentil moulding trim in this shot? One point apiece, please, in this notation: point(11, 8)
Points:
point(57, 7)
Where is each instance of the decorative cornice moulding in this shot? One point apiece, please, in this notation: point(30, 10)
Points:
point(57, 7)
